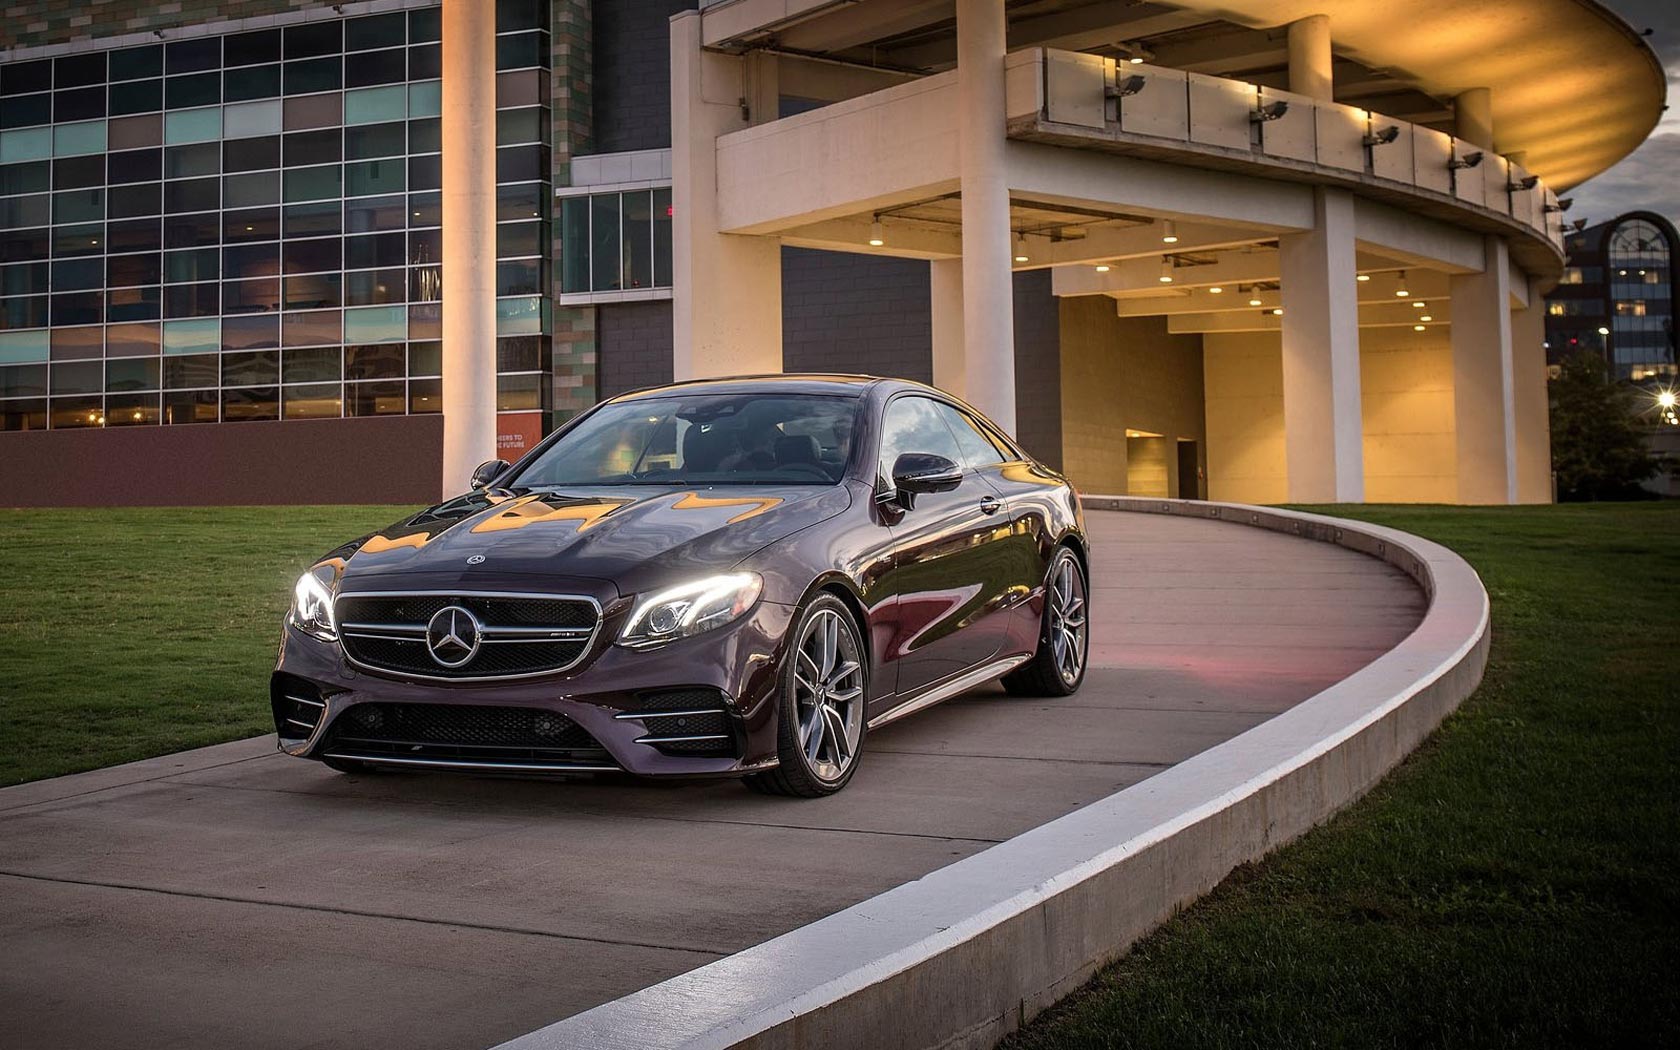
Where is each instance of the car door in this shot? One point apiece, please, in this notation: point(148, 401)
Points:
point(950, 574)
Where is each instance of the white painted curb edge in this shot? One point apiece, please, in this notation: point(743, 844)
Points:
point(967, 953)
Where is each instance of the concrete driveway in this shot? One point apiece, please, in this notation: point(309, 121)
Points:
point(232, 897)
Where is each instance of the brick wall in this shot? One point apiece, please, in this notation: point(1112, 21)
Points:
point(635, 345)
point(632, 73)
point(856, 313)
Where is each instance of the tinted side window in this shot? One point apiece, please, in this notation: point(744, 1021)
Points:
point(913, 424)
point(977, 450)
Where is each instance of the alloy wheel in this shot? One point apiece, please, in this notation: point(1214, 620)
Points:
point(828, 694)
point(1068, 637)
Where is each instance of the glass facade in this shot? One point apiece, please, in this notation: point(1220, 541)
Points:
point(248, 226)
point(616, 241)
point(1641, 304)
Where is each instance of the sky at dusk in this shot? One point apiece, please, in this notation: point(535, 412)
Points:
point(1649, 177)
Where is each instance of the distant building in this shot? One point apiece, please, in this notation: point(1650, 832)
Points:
point(1616, 297)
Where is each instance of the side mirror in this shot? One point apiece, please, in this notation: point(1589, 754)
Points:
point(916, 472)
point(488, 471)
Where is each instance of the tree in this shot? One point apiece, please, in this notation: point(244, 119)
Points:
point(1598, 447)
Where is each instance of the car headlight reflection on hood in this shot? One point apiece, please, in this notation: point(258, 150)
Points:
point(312, 600)
point(688, 609)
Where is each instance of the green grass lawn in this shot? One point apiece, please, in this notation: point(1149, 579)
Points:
point(135, 632)
point(1515, 883)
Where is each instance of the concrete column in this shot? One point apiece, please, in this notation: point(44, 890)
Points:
point(469, 247)
point(1309, 58)
point(988, 292)
point(726, 289)
point(1323, 444)
point(1484, 408)
point(1473, 117)
point(950, 371)
point(1533, 423)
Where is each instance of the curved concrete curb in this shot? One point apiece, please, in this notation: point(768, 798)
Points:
point(967, 953)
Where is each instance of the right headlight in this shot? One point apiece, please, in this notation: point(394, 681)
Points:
point(312, 603)
point(689, 609)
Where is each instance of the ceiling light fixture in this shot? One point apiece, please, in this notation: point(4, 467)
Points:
point(1417, 328)
point(1215, 290)
point(1102, 267)
point(1362, 277)
point(1166, 270)
point(1401, 291)
point(1169, 232)
point(877, 236)
point(1021, 247)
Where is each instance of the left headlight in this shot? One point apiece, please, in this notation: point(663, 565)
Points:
point(689, 609)
point(312, 600)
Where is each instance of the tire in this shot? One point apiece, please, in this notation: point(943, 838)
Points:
point(824, 687)
point(1058, 670)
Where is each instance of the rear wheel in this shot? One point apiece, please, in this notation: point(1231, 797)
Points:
point(820, 731)
point(1058, 667)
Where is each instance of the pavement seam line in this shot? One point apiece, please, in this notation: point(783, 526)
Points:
point(359, 913)
point(130, 783)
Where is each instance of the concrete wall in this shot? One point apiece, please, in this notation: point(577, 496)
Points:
point(635, 345)
point(1406, 385)
point(388, 459)
point(1119, 373)
point(632, 73)
point(1243, 373)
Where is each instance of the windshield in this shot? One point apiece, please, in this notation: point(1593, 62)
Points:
point(702, 439)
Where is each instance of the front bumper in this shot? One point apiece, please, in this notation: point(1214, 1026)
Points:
point(314, 685)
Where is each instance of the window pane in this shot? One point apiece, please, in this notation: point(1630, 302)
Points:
point(240, 406)
point(129, 340)
point(28, 312)
point(309, 220)
point(662, 238)
point(425, 136)
point(78, 205)
point(522, 353)
point(191, 231)
point(638, 239)
point(24, 279)
point(374, 31)
point(518, 393)
point(312, 402)
point(312, 147)
point(187, 372)
point(77, 240)
point(244, 49)
point(251, 189)
point(18, 347)
point(368, 287)
point(304, 184)
point(315, 74)
point(81, 104)
point(31, 177)
point(80, 377)
point(524, 201)
point(193, 195)
point(21, 247)
point(519, 278)
point(519, 50)
point(319, 365)
point(251, 369)
point(71, 274)
point(521, 163)
point(251, 332)
point(374, 176)
point(204, 158)
point(425, 284)
point(310, 329)
point(75, 308)
point(72, 140)
point(311, 256)
point(192, 300)
point(373, 362)
point(251, 119)
point(425, 395)
point(136, 132)
point(190, 56)
point(425, 173)
point(251, 154)
point(574, 244)
point(134, 373)
point(425, 99)
point(23, 381)
point(375, 250)
point(374, 214)
point(425, 246)
point(315, 111)
point(254, 224)
point(375, 104)
point(425, 209)
point(374, 140)
point(377, 67)
point(519, 89)
point(131, 410)
point(603, 241)
point(71, 412)
point(144, 199)
point(374, 399)
point(126, 270)
point(516, 239)
point(200, 89)
point(71, 173)
point(79, 70)
point(16, 212)
point(519, 316)
point(313, 291)
point(192, 125)
point(514, 126)
point(193, 264)
point(425, 62)
point(192, 337)
point(27, 144)
point(425, 321)
point(190, 406)
point(250, 260)
point(135, 62)
point(139, 96)
point(314, 38)
point(425, 359)
point(261, 295)
point(26, 110)
point(375, 324)
point(253, 82)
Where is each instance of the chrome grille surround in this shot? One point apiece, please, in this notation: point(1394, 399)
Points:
point(501, 635)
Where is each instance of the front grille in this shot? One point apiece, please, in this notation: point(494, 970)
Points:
point(463, 733)
point(298, 705)
point(520, 634)
point(685, 722)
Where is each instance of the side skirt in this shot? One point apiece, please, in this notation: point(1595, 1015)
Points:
point(947, 689)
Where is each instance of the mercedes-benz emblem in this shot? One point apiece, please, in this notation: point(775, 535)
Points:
point(453, 635)
point(477, 559)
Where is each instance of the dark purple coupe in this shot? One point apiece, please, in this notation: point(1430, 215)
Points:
point(733, 577)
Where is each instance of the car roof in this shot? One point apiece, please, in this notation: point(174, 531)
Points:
point(840, 384)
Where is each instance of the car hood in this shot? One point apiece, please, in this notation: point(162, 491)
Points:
point(631, 537)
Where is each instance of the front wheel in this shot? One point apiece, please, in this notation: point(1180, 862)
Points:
point(820, 730)
point(1058, 667)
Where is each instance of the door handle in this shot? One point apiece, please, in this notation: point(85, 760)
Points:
point(989, 504)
